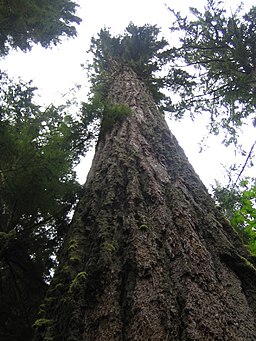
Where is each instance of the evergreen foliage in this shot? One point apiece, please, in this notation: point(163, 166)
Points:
point(23, 23)
point(139, 48)
point(214, 68)
point(38, 189)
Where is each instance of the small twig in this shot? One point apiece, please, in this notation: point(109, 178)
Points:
point(246, 161)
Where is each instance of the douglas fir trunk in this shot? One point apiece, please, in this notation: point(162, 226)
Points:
point(148, 255)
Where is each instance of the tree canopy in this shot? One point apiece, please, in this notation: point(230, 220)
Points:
point(214, 67)
point(139, 47)
point(23, 23)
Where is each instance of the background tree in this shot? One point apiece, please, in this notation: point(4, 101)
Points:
point(23, 23)
point(148, 256)
point(38, 150)
point(214, 67)
point(38, 188)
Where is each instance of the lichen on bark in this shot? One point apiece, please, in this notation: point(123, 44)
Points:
point(184, 277)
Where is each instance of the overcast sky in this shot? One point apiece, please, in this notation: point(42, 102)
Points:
point(55, 71)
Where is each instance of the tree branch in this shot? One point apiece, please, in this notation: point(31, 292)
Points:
point(246, 161)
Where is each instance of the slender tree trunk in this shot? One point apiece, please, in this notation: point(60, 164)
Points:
point(148, 255)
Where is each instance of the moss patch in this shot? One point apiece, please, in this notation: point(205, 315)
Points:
point(114, 113)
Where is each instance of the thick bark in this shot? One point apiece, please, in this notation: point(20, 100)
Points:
point(148, 255)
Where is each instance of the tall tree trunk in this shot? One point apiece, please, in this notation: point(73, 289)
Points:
point(148, 255)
